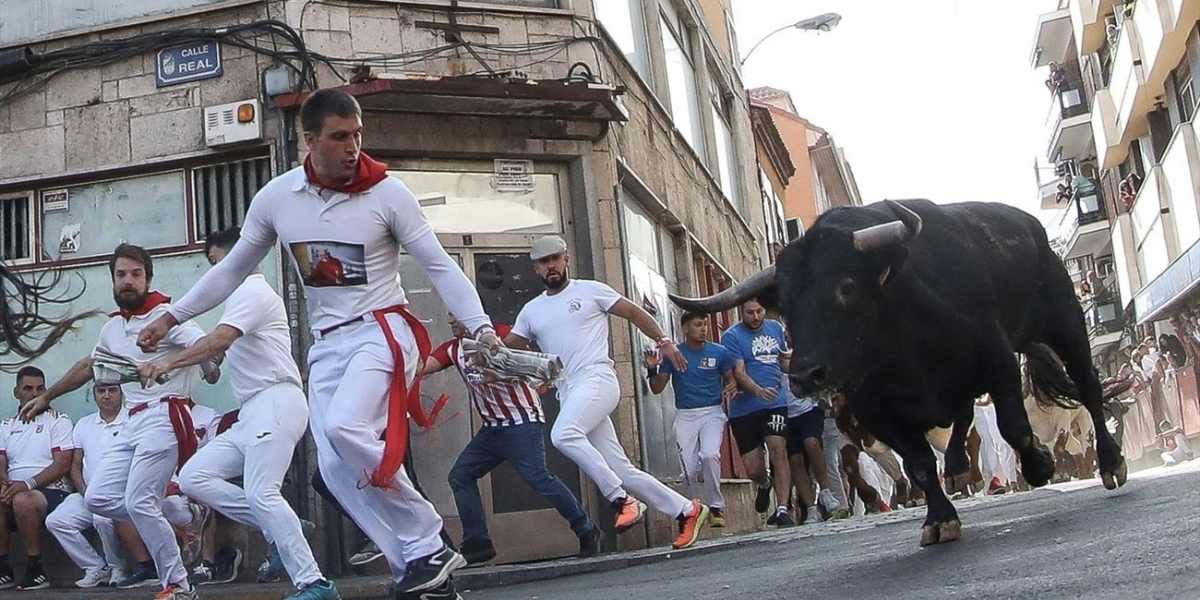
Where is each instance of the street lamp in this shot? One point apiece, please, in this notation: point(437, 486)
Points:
point(825, 22)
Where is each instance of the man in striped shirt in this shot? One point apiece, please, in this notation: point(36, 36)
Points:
point(514, 430)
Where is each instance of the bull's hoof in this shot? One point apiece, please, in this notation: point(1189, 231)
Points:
point(1037, 465)
point(940, 533)
point(1115, 478)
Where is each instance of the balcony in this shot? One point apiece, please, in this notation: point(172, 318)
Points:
point(1052, 42)
point(1102, 311)
point(1129, 280)
point(1127, 85)
point(1087, 23)
point(1068, 124)
point(1151, 232)
point(1083, 228)
point(1104, 126)
point(1181, 174)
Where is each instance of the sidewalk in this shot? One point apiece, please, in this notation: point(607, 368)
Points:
point(480, 578)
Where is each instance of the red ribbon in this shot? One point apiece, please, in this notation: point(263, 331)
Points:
point(403, 401)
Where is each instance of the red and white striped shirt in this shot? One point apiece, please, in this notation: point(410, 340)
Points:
point(501, 403)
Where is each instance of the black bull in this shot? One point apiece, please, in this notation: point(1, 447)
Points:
point(914, 310)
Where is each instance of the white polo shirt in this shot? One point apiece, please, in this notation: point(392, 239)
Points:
point(346, 248)
point(94, 437)
point(30, 447)
point(262, 357)
point(572, 324)
point(119, 336)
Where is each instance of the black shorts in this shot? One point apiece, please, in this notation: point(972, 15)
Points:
point(53, 499)
point(751, 430)
point(808, 425)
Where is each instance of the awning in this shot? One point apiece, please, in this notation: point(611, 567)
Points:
point(484, 97)
point(1169, 290)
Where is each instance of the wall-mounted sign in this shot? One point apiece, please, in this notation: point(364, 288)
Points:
point(513, 176)
point(189, 62)
point(55, 200)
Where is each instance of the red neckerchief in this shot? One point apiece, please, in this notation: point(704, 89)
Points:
point(369, 172)
point(153, 299)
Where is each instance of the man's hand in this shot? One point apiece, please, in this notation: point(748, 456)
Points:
point(672, 353)
point(153, 333)
point(150, 372)
point(730, 390)
point(213, 375)
point(487, 336)
point(11, 490)
point(651, 357)
point(34, 408)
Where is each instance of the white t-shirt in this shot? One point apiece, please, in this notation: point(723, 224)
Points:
point(572, 324)
point(262, 357)
point(205, 421)
point(94, 437)
point(119, 337)
point(30, 447)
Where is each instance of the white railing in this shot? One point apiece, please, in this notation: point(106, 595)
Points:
point(1149, 23)
point(1126, 76)
point(1125, 258)
point(1181, 173)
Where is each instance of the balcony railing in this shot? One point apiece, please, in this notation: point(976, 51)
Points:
point(1102, 308)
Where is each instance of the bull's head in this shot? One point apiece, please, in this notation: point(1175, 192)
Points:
point(829, 286)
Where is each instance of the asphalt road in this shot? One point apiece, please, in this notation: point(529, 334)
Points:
point(1075, 540)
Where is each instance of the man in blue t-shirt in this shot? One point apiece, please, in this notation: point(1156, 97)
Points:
point(759, 412)
point(700, 416)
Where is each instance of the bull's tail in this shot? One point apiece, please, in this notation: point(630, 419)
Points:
point(1052, 387)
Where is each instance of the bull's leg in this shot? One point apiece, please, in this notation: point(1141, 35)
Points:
point(1069, 341)
point(1037, 464)
point(941, 520)
point(958, 463)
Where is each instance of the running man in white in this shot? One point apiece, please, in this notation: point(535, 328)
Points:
point(570, 319)
point(253, 335)
point(93, 436)
point(158, 437)
point(342, 207)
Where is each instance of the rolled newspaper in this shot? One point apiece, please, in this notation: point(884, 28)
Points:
point(508, 363)
point(114, 369)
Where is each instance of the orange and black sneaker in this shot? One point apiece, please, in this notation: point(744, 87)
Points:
point(629, 512)
point(690, 524)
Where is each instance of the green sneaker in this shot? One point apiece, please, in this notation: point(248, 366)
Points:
point(318, 590)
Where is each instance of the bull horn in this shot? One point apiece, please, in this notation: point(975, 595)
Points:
point(752, 287)
point(901, 231)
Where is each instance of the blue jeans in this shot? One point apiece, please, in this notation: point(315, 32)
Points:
point(524, 447)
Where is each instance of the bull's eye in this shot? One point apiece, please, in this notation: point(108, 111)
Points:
point(845, 291)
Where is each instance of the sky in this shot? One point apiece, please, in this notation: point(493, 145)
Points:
point(932, 99)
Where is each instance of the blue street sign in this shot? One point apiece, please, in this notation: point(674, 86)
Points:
point(190, 62)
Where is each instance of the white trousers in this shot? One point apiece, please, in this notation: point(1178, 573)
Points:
point(177, 510)
point(831, 439)
point(349, 373)
point(131, 483)
point(698, 432)
point(258, 448)
point(584, 432)
point(68, 522)
point(996, 457)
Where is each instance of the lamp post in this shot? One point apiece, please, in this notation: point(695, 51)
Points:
point(825, 22)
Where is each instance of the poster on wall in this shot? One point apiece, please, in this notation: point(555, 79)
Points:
point(56, 200)
point(68, 238)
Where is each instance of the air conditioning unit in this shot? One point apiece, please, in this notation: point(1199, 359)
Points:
point(232, 123)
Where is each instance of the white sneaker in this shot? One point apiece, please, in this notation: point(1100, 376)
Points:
point(117, 575)
point(94, 577)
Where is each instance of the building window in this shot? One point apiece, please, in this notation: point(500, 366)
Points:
point(90, 220)
point(223, 193)
point(681, 79)
point(15, 225)
point(622, 19)
point(477, 203)
point(727, 172)
point(731, 35)
point(795, 229)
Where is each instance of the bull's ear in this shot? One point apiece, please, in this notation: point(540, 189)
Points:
point(890, 262)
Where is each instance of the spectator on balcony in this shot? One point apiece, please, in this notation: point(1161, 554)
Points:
point(1129, 190)
point(1173, 351)
point(1058, 76)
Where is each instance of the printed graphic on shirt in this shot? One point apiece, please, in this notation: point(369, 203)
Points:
point(765, 349)
point(330, 264)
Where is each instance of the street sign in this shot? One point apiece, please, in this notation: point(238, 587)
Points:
point(189, 62)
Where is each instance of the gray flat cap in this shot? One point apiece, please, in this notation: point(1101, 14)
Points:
point(547, 246)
